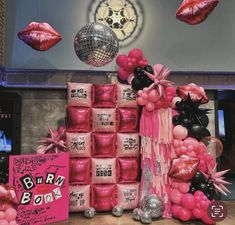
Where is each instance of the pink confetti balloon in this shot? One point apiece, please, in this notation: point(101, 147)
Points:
point(10, 214)
point(184, 214)
point(188, 201)
point(214, 146)
point(180, 132)
point(175, 196)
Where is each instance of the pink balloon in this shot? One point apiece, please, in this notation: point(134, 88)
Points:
point(176, 143)
point(180, 132)
point(153, 96)
point(184, 214)
point(175, 210)
point(3, 222)
point(13, 222)
point(120, 59)
point(122, 74)
point(183, 150)
point(198, 193)
point(129, 65)
point(197, 213)
point(175, 196)
point(141, 101)
point(140, 92)
point(149, 106)
point(188, 201)
point(10, 214)
point(144, 96)
point(143, 63)
point(184, 187)
point(206, 219)
point(2, 215)
point(136, 53)
point(191, 141)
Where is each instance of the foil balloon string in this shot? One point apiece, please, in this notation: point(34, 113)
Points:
point(159, 78)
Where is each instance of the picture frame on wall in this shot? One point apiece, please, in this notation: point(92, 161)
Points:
point(10, 123)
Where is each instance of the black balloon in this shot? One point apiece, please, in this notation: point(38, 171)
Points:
point(176, 120)
point(203, 119)
point(139, 73)
point(198, 178)
point(195, 131)
point(185, 122)
point(149, 69)
point(192, 189)
point(136, 84)
point(205, 133)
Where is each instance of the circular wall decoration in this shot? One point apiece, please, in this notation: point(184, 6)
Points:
point(125, 17)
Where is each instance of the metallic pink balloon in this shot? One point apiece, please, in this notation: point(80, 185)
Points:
point(128, 195)
point(128, 145)
point(104, 120)
point(126, 97)
point(79, 119)
point(127, 170)
point(103, 171)
point(103, 197)
point(104, 95)
point(196, 93)
point(79, 197)
point(80, 170)
point(128, 120)
point(103, 144)
point(79, 144)
point(39, 36)
point(195, 11)
point(79, 94)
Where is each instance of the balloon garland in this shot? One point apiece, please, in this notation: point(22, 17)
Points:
point(177, 163)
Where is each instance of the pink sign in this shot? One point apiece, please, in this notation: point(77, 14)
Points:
point(42, 187)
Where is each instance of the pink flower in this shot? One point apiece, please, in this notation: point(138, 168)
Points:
point(196, 93)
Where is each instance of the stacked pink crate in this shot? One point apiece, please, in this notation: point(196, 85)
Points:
point(103, 140)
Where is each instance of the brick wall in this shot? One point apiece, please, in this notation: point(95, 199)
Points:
point(2, 12)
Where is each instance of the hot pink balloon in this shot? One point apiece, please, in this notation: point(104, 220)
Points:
point(3, 222)
point(122, 74)
point(120, 60)
point(175, 210)
point(2, 215)
point(149, 106)
point(180, 132)
point(197, 213)
point(191, 141)
point(188, 201)
point(136, 53)
point(10, 214)
point(175, 196)
point(184, 214)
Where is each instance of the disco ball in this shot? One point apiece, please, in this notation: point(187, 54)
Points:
point(153, 204)
point(96, 44)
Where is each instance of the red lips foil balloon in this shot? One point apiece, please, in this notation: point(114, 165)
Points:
point(184, 167)
point(39, 36)
point(195, 11)
point(103, 197)
point(8, 198)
